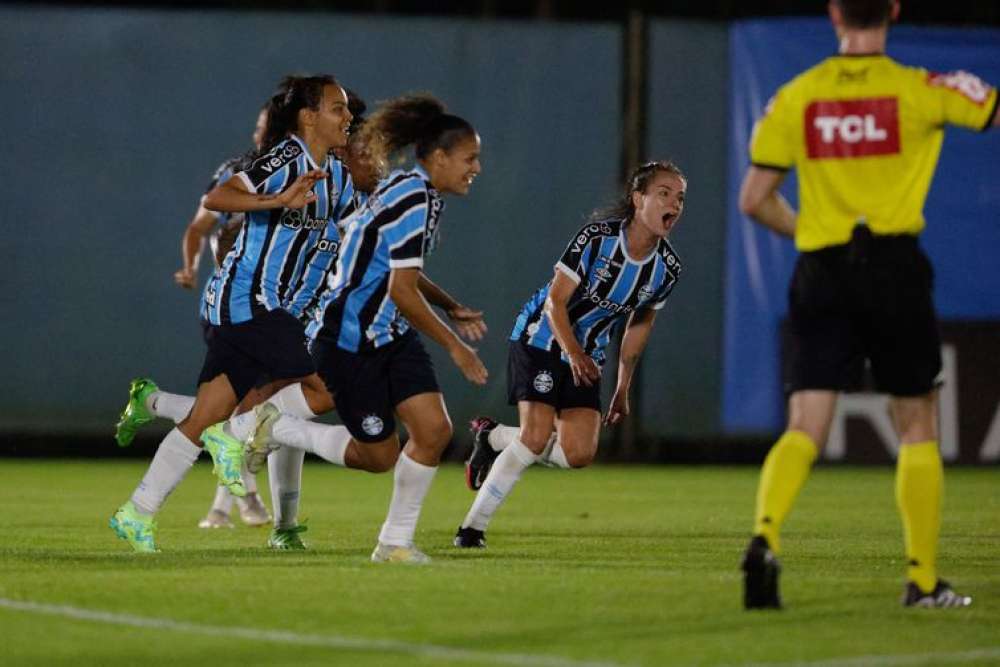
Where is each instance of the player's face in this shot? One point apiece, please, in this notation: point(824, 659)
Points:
point(333, 118)
point(258, 129)
point(454, 170)
point(364, 170)
point(659, 208)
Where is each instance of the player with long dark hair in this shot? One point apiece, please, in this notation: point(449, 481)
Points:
point(364, 342)
point(617, 270)
point(291, 192)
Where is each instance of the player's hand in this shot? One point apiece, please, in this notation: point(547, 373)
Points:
point(301, 192)
point(618, 408)
point(585, 369)
point(468, 362)
point(185, 278)
point(468, 323)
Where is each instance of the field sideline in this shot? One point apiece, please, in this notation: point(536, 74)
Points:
point(612, 565)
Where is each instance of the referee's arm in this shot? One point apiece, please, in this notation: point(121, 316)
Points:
point(760, 199)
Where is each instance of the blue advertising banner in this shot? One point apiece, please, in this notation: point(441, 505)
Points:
point(963, 207)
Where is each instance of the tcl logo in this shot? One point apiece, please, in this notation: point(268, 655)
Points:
point(852, 128)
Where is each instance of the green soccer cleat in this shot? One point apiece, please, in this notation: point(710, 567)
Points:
point(139, 530)
point(391, 553)
point(287, 539)
point(227, 453)
point(135, 413)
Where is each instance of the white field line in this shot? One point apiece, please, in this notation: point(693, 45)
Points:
point(285, 637)
point(931, 659)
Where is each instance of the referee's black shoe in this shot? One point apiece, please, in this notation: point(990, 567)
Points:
point(942, 597)
point(481, 459)
point(760, 576)
point(470, 538)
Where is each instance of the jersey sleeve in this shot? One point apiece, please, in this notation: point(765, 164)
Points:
point(405, 236)
point(576, 260)
point(958, 98)
point(772, 144)
point(272, 172)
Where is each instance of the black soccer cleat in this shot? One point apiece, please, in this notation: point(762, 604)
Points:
point(760, 576)
point(942, 597)
point(477, 467)
point(470, 538)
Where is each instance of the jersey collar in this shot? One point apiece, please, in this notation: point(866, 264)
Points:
point(305, 150)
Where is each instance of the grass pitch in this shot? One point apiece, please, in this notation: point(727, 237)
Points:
point(610, 565)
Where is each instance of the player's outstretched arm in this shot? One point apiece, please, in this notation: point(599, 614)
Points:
point(760, 199)
point(637, 331)
point(192, 244)
point(405, 293)
point(233, 196)
point(467, 321)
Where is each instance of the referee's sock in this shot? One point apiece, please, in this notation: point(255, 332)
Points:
point(919, 487)
point(785, 471)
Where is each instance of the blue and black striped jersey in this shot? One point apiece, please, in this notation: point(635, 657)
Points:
point(610, 286)
point(266, 269)
point(395, 229)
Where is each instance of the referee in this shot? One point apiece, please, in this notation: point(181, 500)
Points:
point(864, 134)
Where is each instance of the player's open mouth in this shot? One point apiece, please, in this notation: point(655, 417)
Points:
point(668, 217)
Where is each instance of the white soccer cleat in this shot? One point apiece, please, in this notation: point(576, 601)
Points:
point(215, 519)
point(260, 442)
point(252, 510)
point(392, 553)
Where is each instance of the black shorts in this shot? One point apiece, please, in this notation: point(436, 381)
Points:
point(271, 346)
point(367, 386)
point(870, 299)
point(538, 375)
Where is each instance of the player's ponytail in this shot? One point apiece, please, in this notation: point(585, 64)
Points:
point(294, 94)
point(417, 120)
point(638, 181)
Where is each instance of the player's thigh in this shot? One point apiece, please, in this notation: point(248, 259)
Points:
point(578, 430)
point(537, 420)
point(426, 419)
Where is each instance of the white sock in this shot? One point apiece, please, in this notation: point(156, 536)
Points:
point(326, 441)
point(502, 436)
point(284, 471)
point(411, 481)
point(223, 501)
point(290, 401)
point(169, 406)
point(499, 483)
point(174, 457)
point(553, 455)
point(249, 480)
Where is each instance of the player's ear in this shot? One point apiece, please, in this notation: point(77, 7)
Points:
point(636, 199)
point(894, 11)
point(307, 117)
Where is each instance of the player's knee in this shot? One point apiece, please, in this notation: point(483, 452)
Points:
point(579, 454)
point(535, 439)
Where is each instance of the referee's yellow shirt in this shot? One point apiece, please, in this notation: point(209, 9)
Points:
point(864, 134)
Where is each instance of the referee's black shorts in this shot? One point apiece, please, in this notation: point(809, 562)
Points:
point(870, 299)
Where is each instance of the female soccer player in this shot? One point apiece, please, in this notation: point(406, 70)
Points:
point(290, 193)
point(619, 269)
point(364, 343)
